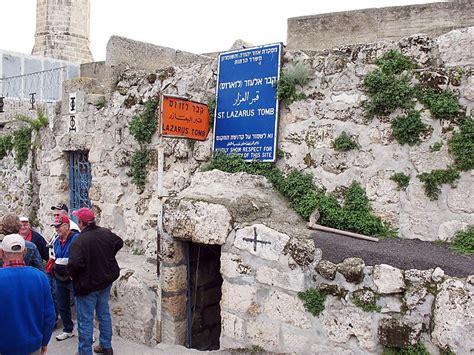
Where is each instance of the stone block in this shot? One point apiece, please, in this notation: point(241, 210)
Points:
point(286, 308)
point(237, 298)
point(293, 281)
point(264, 333)
point(174, 306)
point(173, 278)
point(189, 221)
point(232, 326)
point(388, 279)
point(352, 269)
point(269, 244)
point(232, 266)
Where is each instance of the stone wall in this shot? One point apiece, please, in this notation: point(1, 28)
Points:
point(366, 308)
point(62, 30)
point(378, 24)
point(259, 303)
point(336, 103)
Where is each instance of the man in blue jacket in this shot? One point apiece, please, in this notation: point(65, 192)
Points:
point(26, 305)
point(62, 279)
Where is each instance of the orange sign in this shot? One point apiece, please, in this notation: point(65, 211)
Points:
point(184, 118)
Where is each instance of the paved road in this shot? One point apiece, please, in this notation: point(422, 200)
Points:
point(121, 347)
point(401, 253)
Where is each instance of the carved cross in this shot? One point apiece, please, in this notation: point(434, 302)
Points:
point(254, 240)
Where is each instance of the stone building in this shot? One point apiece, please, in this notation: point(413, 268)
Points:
point(219, 260)
point(63, 30)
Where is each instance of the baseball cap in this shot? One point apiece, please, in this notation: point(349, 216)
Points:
point(60, 221)
point(60, 206)
point(13, 243)
point(24, 219)
point(84, 214)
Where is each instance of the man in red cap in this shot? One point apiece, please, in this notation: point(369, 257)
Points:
point(93, 268)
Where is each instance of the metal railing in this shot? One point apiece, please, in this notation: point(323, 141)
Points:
point(45, 85)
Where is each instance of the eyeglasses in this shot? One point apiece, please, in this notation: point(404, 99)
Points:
point(58, 226)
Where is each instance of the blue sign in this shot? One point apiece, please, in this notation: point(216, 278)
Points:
point(246, 117)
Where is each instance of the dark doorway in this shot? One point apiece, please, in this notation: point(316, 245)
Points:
point(204, 294)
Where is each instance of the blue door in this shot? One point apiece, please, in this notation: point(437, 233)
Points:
point(80, 180)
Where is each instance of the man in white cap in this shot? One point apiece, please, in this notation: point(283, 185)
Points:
point(26, 305)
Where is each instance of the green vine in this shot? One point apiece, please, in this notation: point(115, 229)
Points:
point(355, 214)
point(436, 147)
point(417, 349)
point(139, 163)
point(291, 77)
point(22, 145)
point(463, 242)
point(344, 143)
point(401, 179)
point(441, 103)
point(435, 178)
point(313, 301)
point(461, 145)
point(142, 127)
point(407, 129)
point(390, 89)
point(6, 145)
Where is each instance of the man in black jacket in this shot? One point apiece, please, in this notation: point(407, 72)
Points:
point(93, 268)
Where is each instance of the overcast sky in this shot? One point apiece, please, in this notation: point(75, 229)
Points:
point(197, 26)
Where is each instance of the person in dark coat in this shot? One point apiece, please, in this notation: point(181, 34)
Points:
point(33, 236)
point(93, 268)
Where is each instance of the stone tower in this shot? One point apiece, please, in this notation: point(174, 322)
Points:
point(62, 30)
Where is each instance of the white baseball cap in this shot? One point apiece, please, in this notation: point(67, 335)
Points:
point(24, 219)
point(13, 243)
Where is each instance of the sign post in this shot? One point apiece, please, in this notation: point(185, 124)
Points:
point(246, 118)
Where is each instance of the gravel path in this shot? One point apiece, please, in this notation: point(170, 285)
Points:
point(401, 253)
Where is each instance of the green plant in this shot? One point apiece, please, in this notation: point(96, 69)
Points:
point(100, 103)
point(387, 92)
point(38, 123)
point(417, 349)
point(436, 147)
point(22, 145)
point(293, 75)
point(143, 125)
point(407, 129)
point(463, 242)
point(461, 145)
point(313, 301)
point(367, 305)
point(304, 197)
point(442, 104)
point(435, 178)
point(394, 62)
point(6, 145)
point(139, 163)
point(344, 143)
point(401, 179)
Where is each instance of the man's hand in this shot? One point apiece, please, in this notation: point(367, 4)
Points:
point(44, 348)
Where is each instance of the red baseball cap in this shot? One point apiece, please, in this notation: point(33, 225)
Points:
point(60, 221)
point(84, 214)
